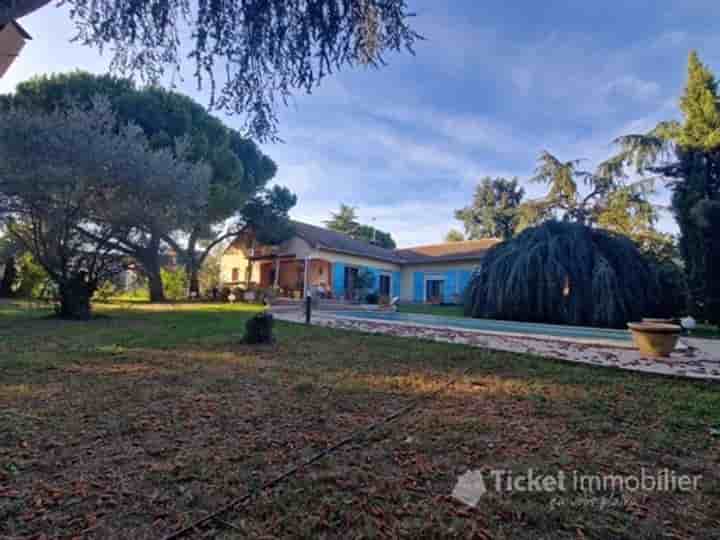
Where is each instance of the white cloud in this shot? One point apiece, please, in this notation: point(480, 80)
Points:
point(633, 87)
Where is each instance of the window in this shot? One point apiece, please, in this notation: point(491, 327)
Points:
point(384, 285)
point(433, 291)
point(235, 274)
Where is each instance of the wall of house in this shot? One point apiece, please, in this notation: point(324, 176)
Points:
point(235, 257)
point(340, 261)
point(455, 275)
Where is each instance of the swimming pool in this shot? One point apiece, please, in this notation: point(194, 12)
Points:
point(579, 333)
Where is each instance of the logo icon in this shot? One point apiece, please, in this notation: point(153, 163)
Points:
point(470, 488)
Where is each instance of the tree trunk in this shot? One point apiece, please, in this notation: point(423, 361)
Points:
point(151, 263)
point(75, 299)
point(192, 267)
point(8, 280)
point(194, 281)
point(155, 284)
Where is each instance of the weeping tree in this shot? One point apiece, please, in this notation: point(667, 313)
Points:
point(566, 273)
point(249, 55)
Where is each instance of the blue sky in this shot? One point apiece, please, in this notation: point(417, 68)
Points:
point(494, 85)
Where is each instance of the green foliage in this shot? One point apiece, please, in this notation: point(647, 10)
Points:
point(565, 273)
point(183, 219)
point(687, 156)
point(175, 282)
point(701, 127)
point(453, 235)
point(105, 292)
point(70, 180)
point(210, 273)
point(707, 218)
point(364, 280)
point(266, 49)
point(375, 236)
point(267, 215)
point(495, 210)
point(611, 202)
point(345, 221)
point(33, 279)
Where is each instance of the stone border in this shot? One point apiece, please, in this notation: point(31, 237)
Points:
point(697, 360)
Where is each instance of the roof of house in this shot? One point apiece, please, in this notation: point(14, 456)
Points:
point(11, 44)
point(448, 251)
point(17, 27)
point(321, 238)
point(329, 240)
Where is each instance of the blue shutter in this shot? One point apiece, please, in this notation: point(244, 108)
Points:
point(396, 284)
point(418, 285)
point(338, 280)
point(450, 292)
point(464, 280)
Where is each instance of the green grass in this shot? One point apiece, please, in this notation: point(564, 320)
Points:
point(446, 310)
point(148, 417)
point(706, 331)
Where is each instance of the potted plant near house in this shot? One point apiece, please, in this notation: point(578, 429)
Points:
point(655, 339)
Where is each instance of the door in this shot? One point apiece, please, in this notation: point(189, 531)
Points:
point(434, 291)
point(384, 285)
point(350, 279)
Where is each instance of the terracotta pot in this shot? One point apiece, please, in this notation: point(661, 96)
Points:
point(655, 339)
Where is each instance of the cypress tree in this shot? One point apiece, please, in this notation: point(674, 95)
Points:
point(697, 176)
point(686, 153)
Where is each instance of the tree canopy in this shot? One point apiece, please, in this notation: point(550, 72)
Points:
point(164, 216)
point(66, 176)
point(250, 55)
point(494, 212)
point(567, 273)
point(453, 235)
point(345, 221)
point(686, 155)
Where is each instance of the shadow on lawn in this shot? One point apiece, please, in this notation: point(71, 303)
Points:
point(141, 422)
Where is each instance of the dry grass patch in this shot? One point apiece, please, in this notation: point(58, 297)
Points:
point(134, 430)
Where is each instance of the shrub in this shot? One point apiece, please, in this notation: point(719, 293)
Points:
point(175, 283)
point(105, 292)
point(566, 273)
point(372, 298)
point(34, 281)
point(259, 329)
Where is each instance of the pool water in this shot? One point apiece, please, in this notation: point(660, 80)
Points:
point(508, 327)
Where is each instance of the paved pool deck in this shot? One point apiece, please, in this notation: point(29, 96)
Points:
point(694, 358)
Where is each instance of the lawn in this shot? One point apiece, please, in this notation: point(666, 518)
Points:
point(444, 310)
point(139, 422)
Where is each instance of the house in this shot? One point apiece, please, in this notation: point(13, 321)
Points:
point(12, 40)
point(321, 261)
